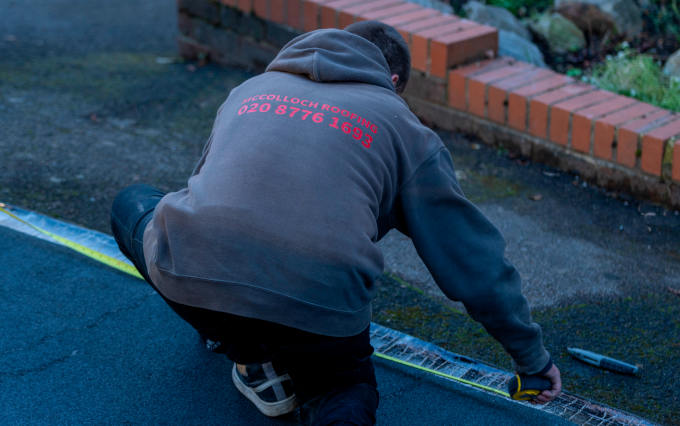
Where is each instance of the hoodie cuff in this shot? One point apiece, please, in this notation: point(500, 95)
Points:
point(547, 367)
point(538, 365)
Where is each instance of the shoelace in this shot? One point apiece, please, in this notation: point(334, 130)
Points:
point(270, 383)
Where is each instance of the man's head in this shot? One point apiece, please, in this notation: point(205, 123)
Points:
point(392, 46)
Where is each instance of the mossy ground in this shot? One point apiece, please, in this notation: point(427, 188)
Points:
point(137, 85)
point(92, 123)
point(642, 330)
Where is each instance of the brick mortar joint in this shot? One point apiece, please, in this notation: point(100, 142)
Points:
point(667, 158)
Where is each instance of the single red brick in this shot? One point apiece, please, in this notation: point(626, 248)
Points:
point(477, 85)
point(411, 17)
point(664, 129)
point(329, 11)
point(244, 6)
point(420, 41)
point(460, 25)
point(654, 144)
point(457, 80)
point(534, 75)
point(460, 47)
point(379, 15)
point(294, 14)
point(349, 14)
point(261, 8)
point(185, 24)
point(676, 161)
point(539, 106)
point(345, 19)
point(449, 27)
point(368, 5)
point(518, 99)
point(628, 136)
point(427, 23)
point(652, 155)
point(277, 11)
point(582, 121)
point(438, 20)
point(562, 111)
point(605, 127)
point(311, 10)
point(510, 68)
point(497, 92)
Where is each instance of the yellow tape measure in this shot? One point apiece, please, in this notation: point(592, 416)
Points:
point(526, 388)
point(93, 254)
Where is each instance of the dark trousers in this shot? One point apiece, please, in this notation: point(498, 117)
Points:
point(333, 377)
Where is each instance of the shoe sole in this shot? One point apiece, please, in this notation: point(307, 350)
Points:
point(269, 409)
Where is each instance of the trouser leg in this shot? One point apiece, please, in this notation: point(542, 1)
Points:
point(352, 405)
point(132, 210)
point(334, 378)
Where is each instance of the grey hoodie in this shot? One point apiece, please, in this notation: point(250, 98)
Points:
point(308, 165)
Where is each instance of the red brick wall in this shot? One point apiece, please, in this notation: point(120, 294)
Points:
point(458, 84)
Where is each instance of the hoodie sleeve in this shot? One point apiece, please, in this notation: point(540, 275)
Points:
point(464, 253)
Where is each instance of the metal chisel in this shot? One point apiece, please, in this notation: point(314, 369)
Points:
point(603, 361)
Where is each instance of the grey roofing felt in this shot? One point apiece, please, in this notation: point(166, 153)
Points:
point(83, 343)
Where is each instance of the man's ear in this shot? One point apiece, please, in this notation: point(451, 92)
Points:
point(395, 79)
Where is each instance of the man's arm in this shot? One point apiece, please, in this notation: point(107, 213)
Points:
point(464, 253)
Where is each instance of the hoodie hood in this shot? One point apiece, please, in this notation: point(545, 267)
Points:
point(332, 55)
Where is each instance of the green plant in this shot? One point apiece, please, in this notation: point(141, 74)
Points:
point(522, 8)
point(664, 16)
point(638, 76)
point(574, 72)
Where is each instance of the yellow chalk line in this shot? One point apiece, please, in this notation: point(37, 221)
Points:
point(439, 373)
point(93, 254)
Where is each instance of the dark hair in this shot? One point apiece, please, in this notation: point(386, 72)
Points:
point(391, 44)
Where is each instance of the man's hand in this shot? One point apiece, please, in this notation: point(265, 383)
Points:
point(548, 395)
